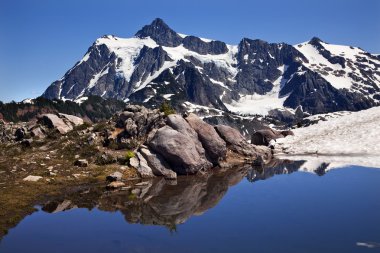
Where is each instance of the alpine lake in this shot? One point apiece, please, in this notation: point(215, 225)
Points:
point(279, 208)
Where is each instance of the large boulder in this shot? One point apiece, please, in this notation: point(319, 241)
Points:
point(179, 150)
point(177, 122)
point(237, 143)
point(214, 145)
point(71, 119)
point(263, 137)
point(53, 121)
point(62, 122)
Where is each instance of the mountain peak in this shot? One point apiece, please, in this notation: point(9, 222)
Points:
point(159, 22)
point(160, 32)
point(315, 41)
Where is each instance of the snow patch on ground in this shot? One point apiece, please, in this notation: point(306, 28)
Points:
point(349, 139)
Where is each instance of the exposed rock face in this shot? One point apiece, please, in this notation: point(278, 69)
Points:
point(26, 132)
point(144, 170)
point(158, 165)
point(53, 121)
point(161, 33)
point(177, 144)
point(177, 122)
point(214, 145)
point(201, 47)
point(259, 62)
point(179, 150)
point(62, 122)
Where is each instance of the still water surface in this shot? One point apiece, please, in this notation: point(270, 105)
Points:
point(297, 212)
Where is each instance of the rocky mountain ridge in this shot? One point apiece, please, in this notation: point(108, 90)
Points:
point(254, 77)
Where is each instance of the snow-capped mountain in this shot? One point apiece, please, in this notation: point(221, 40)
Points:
point(253, 77)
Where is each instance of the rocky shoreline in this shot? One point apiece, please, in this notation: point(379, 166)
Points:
point(137, 142)
point(44, 158)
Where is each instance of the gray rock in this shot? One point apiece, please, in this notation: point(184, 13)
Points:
point(81, 163)
point(116, 176)
point(53, 121)
point(299, 112)
point(239, 144)
point(125, 115)
point(20, 133)
point(177, 122)
point(115, 185)
point(179, 150)
point(263, 137)
point(105, 158)
point(37, 132)
point(31, 178)
point(144, 170)
point(215, 146)
point(134, 162)
point(130, 127)
point(282, 115)
point(158, 165)
point(73, 120)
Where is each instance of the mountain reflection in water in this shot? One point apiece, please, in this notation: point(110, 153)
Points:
point(168, 203)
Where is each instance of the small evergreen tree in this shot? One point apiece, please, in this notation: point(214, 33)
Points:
point(166, 108)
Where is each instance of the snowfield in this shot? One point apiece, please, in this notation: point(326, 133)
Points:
point(346, 139)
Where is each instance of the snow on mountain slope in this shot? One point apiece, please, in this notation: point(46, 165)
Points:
point(342, 66)
point(261, 104)
point(248, 78)
point(319, 63)
point(346, 139)
point(127, 50)
point(225, 61)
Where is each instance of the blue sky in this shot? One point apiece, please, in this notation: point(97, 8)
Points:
point(41, 39)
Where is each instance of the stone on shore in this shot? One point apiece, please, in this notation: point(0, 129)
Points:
point(31, 178)
point(179, 150)
point(158, 165)
point(214, 145)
